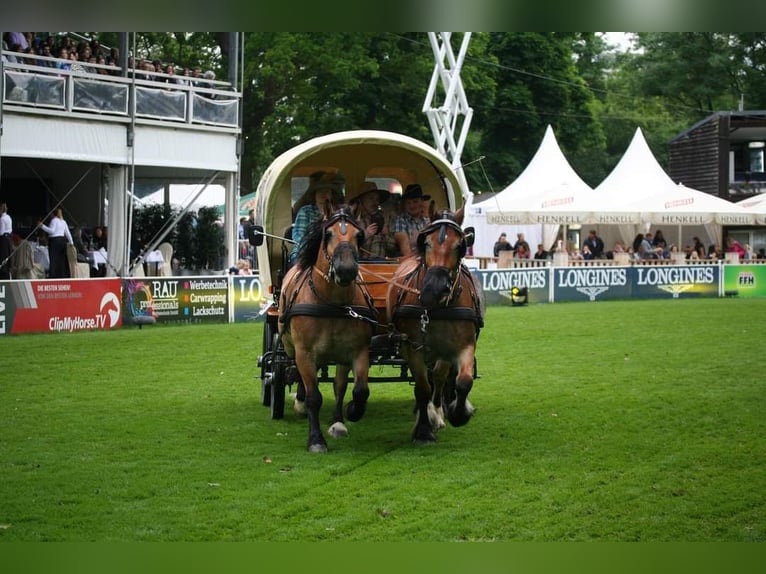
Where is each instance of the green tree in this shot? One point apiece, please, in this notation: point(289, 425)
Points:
point(538, 84)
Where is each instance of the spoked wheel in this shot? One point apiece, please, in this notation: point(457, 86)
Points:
point(277, 382)
point(267, 363)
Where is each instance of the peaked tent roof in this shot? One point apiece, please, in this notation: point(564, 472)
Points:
point(757, 206)
point(637, 174)
point(548, 180)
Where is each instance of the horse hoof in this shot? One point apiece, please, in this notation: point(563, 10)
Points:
point(337, 430)
point(459, 417)
point(320, 448)
point(421, 437)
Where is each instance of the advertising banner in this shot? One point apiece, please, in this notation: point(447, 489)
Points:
point(498, 284)
point(590, 283)
point(744, 280)
point(59, 305)
point(176, 299)
point(247, 298)
point(675, 281)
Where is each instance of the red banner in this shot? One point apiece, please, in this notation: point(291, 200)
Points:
point(61, 305)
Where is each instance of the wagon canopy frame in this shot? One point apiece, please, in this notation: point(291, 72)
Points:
point(358, 155)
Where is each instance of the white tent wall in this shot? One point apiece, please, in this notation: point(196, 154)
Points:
point(115, 177)
point(488, 233)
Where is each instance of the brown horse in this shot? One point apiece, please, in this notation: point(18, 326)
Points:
point(439, 306)
point(326, 316)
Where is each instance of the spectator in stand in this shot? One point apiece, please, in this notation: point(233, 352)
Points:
point(647, 249)
point(64, 63)
point(697, 250)
point(170, 70)
point(45, 50)
point(595, 245)
point(734, 246)
point(523, 251)
point(99, 238)
point(501, 245)
point(541, 253)
point(58, 238)
point(17, 38)
point(749, 254)
point(6, 229)
point(521, 242)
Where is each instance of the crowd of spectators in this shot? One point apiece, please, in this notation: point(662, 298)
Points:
point(64, 52)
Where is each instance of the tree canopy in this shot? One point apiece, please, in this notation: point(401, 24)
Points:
point(299, 85)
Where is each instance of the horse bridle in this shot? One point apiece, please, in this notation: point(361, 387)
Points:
point(441, 225)
point(345, 219)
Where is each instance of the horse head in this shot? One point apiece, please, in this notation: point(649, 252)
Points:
point(441, 245)
point(341, 238)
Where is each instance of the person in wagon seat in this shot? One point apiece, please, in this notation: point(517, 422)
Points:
point(321, 196)
point(367, 211)
point(409, 223)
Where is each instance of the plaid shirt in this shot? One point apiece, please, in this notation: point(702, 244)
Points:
point(409, 225)
point(306, 215)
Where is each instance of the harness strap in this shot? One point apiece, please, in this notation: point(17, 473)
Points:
point(440, 314)
point(328, 311)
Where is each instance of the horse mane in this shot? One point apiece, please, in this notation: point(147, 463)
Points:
point(312, 241)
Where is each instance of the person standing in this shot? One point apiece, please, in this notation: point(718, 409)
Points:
point(58, 238)
point(6, 228)
point(501, 245)
point(595, 245)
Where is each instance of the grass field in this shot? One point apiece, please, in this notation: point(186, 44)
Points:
point(615, 421)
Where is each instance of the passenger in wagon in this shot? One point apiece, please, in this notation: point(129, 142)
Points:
point(407, 225)
point(368, 213)
point(321, 194)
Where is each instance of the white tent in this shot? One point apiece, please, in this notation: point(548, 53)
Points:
point(755, 205)
point(638, 195)
point(548, 182)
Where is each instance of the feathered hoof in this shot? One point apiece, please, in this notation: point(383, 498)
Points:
point(299, 406)
point(459, 417)
point(337, 430)
point(319, 448)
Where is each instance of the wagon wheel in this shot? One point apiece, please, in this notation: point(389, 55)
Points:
point(277, 382)
point(267, 363)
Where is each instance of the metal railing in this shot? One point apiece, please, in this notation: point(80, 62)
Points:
point(35, 84)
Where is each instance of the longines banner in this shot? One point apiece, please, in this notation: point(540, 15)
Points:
point(640, 282)
point(176, 299)
point(745, 280)
point(498, 283)
point(247, 298)
point(59, 305)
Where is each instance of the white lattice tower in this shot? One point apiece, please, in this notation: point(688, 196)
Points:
point(451, 115)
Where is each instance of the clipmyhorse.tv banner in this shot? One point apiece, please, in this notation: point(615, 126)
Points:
point(59, 305)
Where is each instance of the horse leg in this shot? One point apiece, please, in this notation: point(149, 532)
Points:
point(337, 427)
point(356, 408)
point(439, 376)
point(460, 410)
point(423, 432)
point(307, 369)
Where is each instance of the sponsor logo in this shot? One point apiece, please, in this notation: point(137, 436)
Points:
point(592, 292)
point(110, 308)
